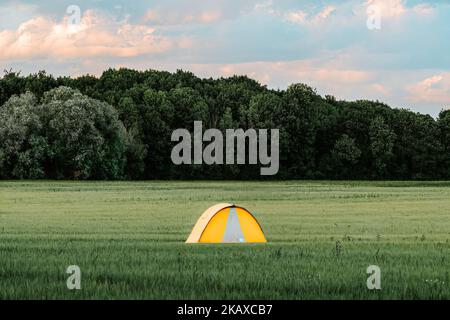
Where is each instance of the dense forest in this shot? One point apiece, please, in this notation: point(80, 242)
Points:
point(119, 125)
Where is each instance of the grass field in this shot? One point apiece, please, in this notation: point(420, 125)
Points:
point(128, 239)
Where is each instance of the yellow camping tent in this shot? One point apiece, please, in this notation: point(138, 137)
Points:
point(226, 223)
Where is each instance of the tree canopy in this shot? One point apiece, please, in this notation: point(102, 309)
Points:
point(119, 125)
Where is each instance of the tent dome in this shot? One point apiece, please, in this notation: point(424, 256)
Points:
point(226, 223)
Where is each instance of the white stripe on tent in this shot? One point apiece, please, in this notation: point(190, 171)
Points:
point(233, 231)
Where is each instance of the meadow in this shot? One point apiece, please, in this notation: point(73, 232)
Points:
point(128, 239)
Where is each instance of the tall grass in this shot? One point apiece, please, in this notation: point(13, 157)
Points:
point(128, 239)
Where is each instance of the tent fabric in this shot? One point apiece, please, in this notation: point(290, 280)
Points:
point(226, 223)
point(233, 232)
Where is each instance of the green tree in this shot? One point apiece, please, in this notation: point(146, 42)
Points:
point(22, 148)
point(345, 155)
point(298, 119)
point(443, 156)
point(125, 131)
point(382, 140)
point(85, 137)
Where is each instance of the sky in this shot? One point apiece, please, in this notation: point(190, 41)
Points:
point(395, 51)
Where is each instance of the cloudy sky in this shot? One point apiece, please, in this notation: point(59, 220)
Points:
point(326, 44)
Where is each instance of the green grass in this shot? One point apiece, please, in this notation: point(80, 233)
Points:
point(128, 239)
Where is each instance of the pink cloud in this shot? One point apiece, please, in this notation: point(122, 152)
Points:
point(381, 89)
point(326, 76)
point(338, 75)
point(296, 16)
point(164, 17)
point(423, 9)
point(94, 36)
point(388, 8)
point(302, 17)
point(326, 12)
point(434, 89)
point(397, 8)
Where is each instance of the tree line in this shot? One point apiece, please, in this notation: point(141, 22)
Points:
point(119, 125)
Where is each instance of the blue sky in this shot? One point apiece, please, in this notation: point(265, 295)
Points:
point(326, 44)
